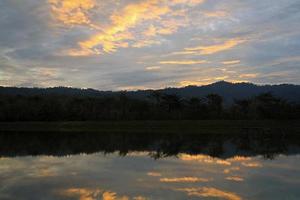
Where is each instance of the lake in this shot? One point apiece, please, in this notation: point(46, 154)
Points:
point(68, 166)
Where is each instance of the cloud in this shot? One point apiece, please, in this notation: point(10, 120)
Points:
point(183, 62)
point(218, 14)
point(125, 23)
point(212, 49)
point(194, 83)
point(155, 174)
point(231, 62)
point(116, 34)
point(248, 75)
point(72, 12)
point(227, 171)
point(235, 178)
point(187, 2)
point(252, 164)
point(204, 159)
point(153, 68)
point(82, 193)
point(94, 194)
point(111, 44)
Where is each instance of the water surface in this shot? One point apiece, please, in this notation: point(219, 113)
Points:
point(260, 166)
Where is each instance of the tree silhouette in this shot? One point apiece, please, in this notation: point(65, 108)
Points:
point(214, 102)
point(160, 106)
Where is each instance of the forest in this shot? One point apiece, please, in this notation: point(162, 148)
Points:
point(157, 106)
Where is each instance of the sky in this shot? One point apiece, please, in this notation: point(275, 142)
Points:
point(141, 44)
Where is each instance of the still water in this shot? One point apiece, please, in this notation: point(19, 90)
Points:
point(158, 168)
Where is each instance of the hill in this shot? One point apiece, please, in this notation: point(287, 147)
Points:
point(229, 91)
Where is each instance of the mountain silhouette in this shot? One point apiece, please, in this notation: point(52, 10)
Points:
point(229, 91)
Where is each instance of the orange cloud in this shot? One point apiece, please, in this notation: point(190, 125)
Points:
point(124, 27)
point(240, 158)
point(211, 49)
point(204, 159)
point(151, 31)
point(210, 192)
point(115, 35)
point(252, 164)
point(82, 193)
point(113, 196)
point(94, 194)
point(72, 12)
point(189, 83)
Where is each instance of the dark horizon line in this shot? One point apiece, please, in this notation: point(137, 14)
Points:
point(152, 89)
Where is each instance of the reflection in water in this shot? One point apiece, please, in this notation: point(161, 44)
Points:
point(190, 167)
point(210, 192)
point(184, 180)
point(245, 144)
point(140, 177)
point(234, 178)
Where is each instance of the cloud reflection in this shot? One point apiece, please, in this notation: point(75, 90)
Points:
point(210, 192)
point(184, 180)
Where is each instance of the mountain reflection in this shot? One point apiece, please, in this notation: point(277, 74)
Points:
point(247, 143)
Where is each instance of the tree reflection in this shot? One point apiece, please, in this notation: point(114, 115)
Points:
point(250, 142)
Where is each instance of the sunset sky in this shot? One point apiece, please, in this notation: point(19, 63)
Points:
point(138, 44)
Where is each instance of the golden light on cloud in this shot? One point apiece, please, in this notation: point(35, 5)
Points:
point(153, 68)
point(240, 158)
point(183, 62)
point(110, 37)
point(113, 196)
point(204, 159)
point(221, 78)
point(210, 192)
point(117, 34)
point(211, 49)
point(151, 31)
point(231, 62)
point(82, 193)
point(192, 83)
point(95, 194)
point(184, 180)
point(124, 27)
point(72, 12)
point(248, 75)
point(251, 164)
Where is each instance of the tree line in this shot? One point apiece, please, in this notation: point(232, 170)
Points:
point(157, 106)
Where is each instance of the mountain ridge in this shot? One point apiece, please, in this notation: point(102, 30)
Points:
point(229, 91)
